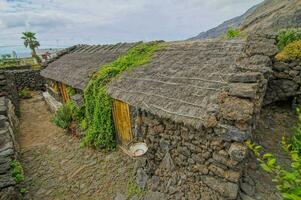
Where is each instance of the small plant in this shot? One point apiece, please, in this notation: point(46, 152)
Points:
point(288, 36)
point(288, 181)
point(65, 115)
point(291, 52)
point(134, 190)
point(233, 33)
point(24, 93)
point(23, 191)
point(17, 171)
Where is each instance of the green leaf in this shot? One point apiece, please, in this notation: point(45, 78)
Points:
point(265, 167)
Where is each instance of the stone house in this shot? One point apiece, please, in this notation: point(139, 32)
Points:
point(73, 68)
point(194, 105)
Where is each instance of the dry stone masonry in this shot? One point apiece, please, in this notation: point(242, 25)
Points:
point(29, 78)
point(8, 127)
point(185, 159)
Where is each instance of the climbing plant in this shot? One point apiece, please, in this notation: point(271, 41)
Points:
point(287, 179)
point(97, 103)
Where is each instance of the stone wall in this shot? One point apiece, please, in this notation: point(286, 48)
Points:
point(29, 78)
point(9, 89)
point(209, 162)
point(284, 83)
point(8, 127)
point(186, 163)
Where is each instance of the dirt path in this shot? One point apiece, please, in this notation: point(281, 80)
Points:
point(275, 122)
point(57, 168)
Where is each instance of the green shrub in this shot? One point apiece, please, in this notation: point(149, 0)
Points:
point(98, 105)
point(291, 52)
point(288, 181)
point(16, 171)
point(233, 33)
point(287, 36)
point(24, 93)
point(65, 115)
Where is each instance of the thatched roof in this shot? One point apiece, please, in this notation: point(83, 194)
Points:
point(183, 80)
point(75, 65)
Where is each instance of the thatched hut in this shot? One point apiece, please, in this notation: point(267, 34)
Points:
point(74, 66)
point(193, 105)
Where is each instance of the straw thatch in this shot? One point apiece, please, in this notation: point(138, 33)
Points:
point(183, 80)
point(75, 65)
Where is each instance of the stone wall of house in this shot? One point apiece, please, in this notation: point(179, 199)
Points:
point(8, 127)
point(208, 163)
point(183, 162)
point(28, 78)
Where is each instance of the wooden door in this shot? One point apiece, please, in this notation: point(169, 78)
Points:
point(64, 92)
point(122, 120)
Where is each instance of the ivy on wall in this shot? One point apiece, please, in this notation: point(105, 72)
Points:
point(97, 102)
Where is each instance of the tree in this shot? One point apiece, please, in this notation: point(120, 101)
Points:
point(31, 41)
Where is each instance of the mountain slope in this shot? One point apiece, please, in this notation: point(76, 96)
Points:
point(269, 16)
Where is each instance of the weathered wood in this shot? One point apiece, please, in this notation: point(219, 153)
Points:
point(64, 92)
point(122, 121)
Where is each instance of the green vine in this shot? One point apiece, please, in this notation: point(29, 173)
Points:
point(98, 105)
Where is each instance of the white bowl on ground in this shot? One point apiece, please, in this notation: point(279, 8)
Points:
point(138, 149)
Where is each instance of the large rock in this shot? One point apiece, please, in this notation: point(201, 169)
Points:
point(167, 163)
point(141, 178)
point(226, 189)
point(248, 77)
point(230, 175)
point(234, 134)
point(6, 180)
point(234, 108)
point(10, 193)
point(245, 90)
point(238, 151)
point(154, 196)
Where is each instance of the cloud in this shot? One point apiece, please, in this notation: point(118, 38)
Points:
point(110, 21)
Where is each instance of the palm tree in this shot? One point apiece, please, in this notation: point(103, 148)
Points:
point(31, 41)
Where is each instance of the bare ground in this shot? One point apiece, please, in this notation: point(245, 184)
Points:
point(275, 122)
point(56, 167)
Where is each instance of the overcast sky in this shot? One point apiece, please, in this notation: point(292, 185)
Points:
point(68, 22)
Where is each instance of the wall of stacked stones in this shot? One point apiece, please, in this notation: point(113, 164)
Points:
point(184, 162)
point(284, 83)
point(8, 128)
point(29, 78)
point(207, 163)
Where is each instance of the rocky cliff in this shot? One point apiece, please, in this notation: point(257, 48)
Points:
point(268, 16)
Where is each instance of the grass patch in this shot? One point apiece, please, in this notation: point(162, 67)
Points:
point(17, 171)
point(24, 93)
point(134, 190)
point(97, 102)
